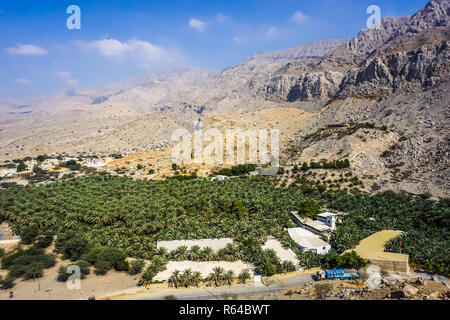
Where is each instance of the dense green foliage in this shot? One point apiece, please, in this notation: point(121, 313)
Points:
point(347, 260)
point(238, 170)
point(131, 215)
point(425, 223)
point(28, 264)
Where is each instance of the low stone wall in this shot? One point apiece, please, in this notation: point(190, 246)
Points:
point(294, 273)
point(391, 265)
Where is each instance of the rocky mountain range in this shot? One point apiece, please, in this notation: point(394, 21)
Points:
point(395, 76)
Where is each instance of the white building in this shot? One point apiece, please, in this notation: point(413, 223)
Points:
point(328, 218)
point(92, 163)
point(49, 164)
point(6, 172)
point(30, 165)
point(308, 241)
point(221, 177)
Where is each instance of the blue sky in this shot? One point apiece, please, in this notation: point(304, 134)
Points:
point(39, 55)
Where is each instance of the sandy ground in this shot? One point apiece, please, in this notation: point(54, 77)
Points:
point(5, 232)
point(47, 287)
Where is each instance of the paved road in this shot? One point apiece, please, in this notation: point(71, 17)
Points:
point(210, 293)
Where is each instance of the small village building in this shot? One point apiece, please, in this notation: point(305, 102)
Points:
point(7, 171)
point(22, 174)
point(49, 164)
point(30, 164)
point(308, 241)
point(315, 226)
point(221, 177)
point(328, 218)
point(95, 163)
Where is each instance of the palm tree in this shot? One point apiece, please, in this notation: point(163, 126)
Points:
point(175, 278)
point(288, 266)
point(229, 276)
point(162, 251)
point(244, 275)
point(186, 277)
point(180, 253)
point(194, 253)
point(196, 278)
point(207, 254)
point(217, 275)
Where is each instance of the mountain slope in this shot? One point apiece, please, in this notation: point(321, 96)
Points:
point(396, 78)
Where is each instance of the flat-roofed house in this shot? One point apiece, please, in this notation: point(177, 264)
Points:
point(315, 226)
point(22, 174)
point(7, 171)
point(308, 241)
point(93, 163)
point(329, 218)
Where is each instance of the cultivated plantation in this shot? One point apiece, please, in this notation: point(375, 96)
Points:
point(128, 217)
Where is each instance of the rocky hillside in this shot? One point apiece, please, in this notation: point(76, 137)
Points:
point(394, 79)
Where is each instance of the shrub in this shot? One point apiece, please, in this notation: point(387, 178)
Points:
point(9, 260)
point(91, 256)
point(102, 267)
point(29, 234)
point(44, 241)
point(7, 283)
point(31, 264)
point(63, 275)
point(136, 266)
point(110, 258)
point(72, 245)
point(30, 270)
point(84, 268)
point(323, 289)
point(289, 293)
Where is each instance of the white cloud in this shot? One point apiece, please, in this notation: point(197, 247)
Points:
point(67, 78)
point(299, 17)
point(238, 39)
point(144, 52)
point(23, 81)
point(221, 18)
point(272, 32)
point(198, 25)
point(27, 49)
